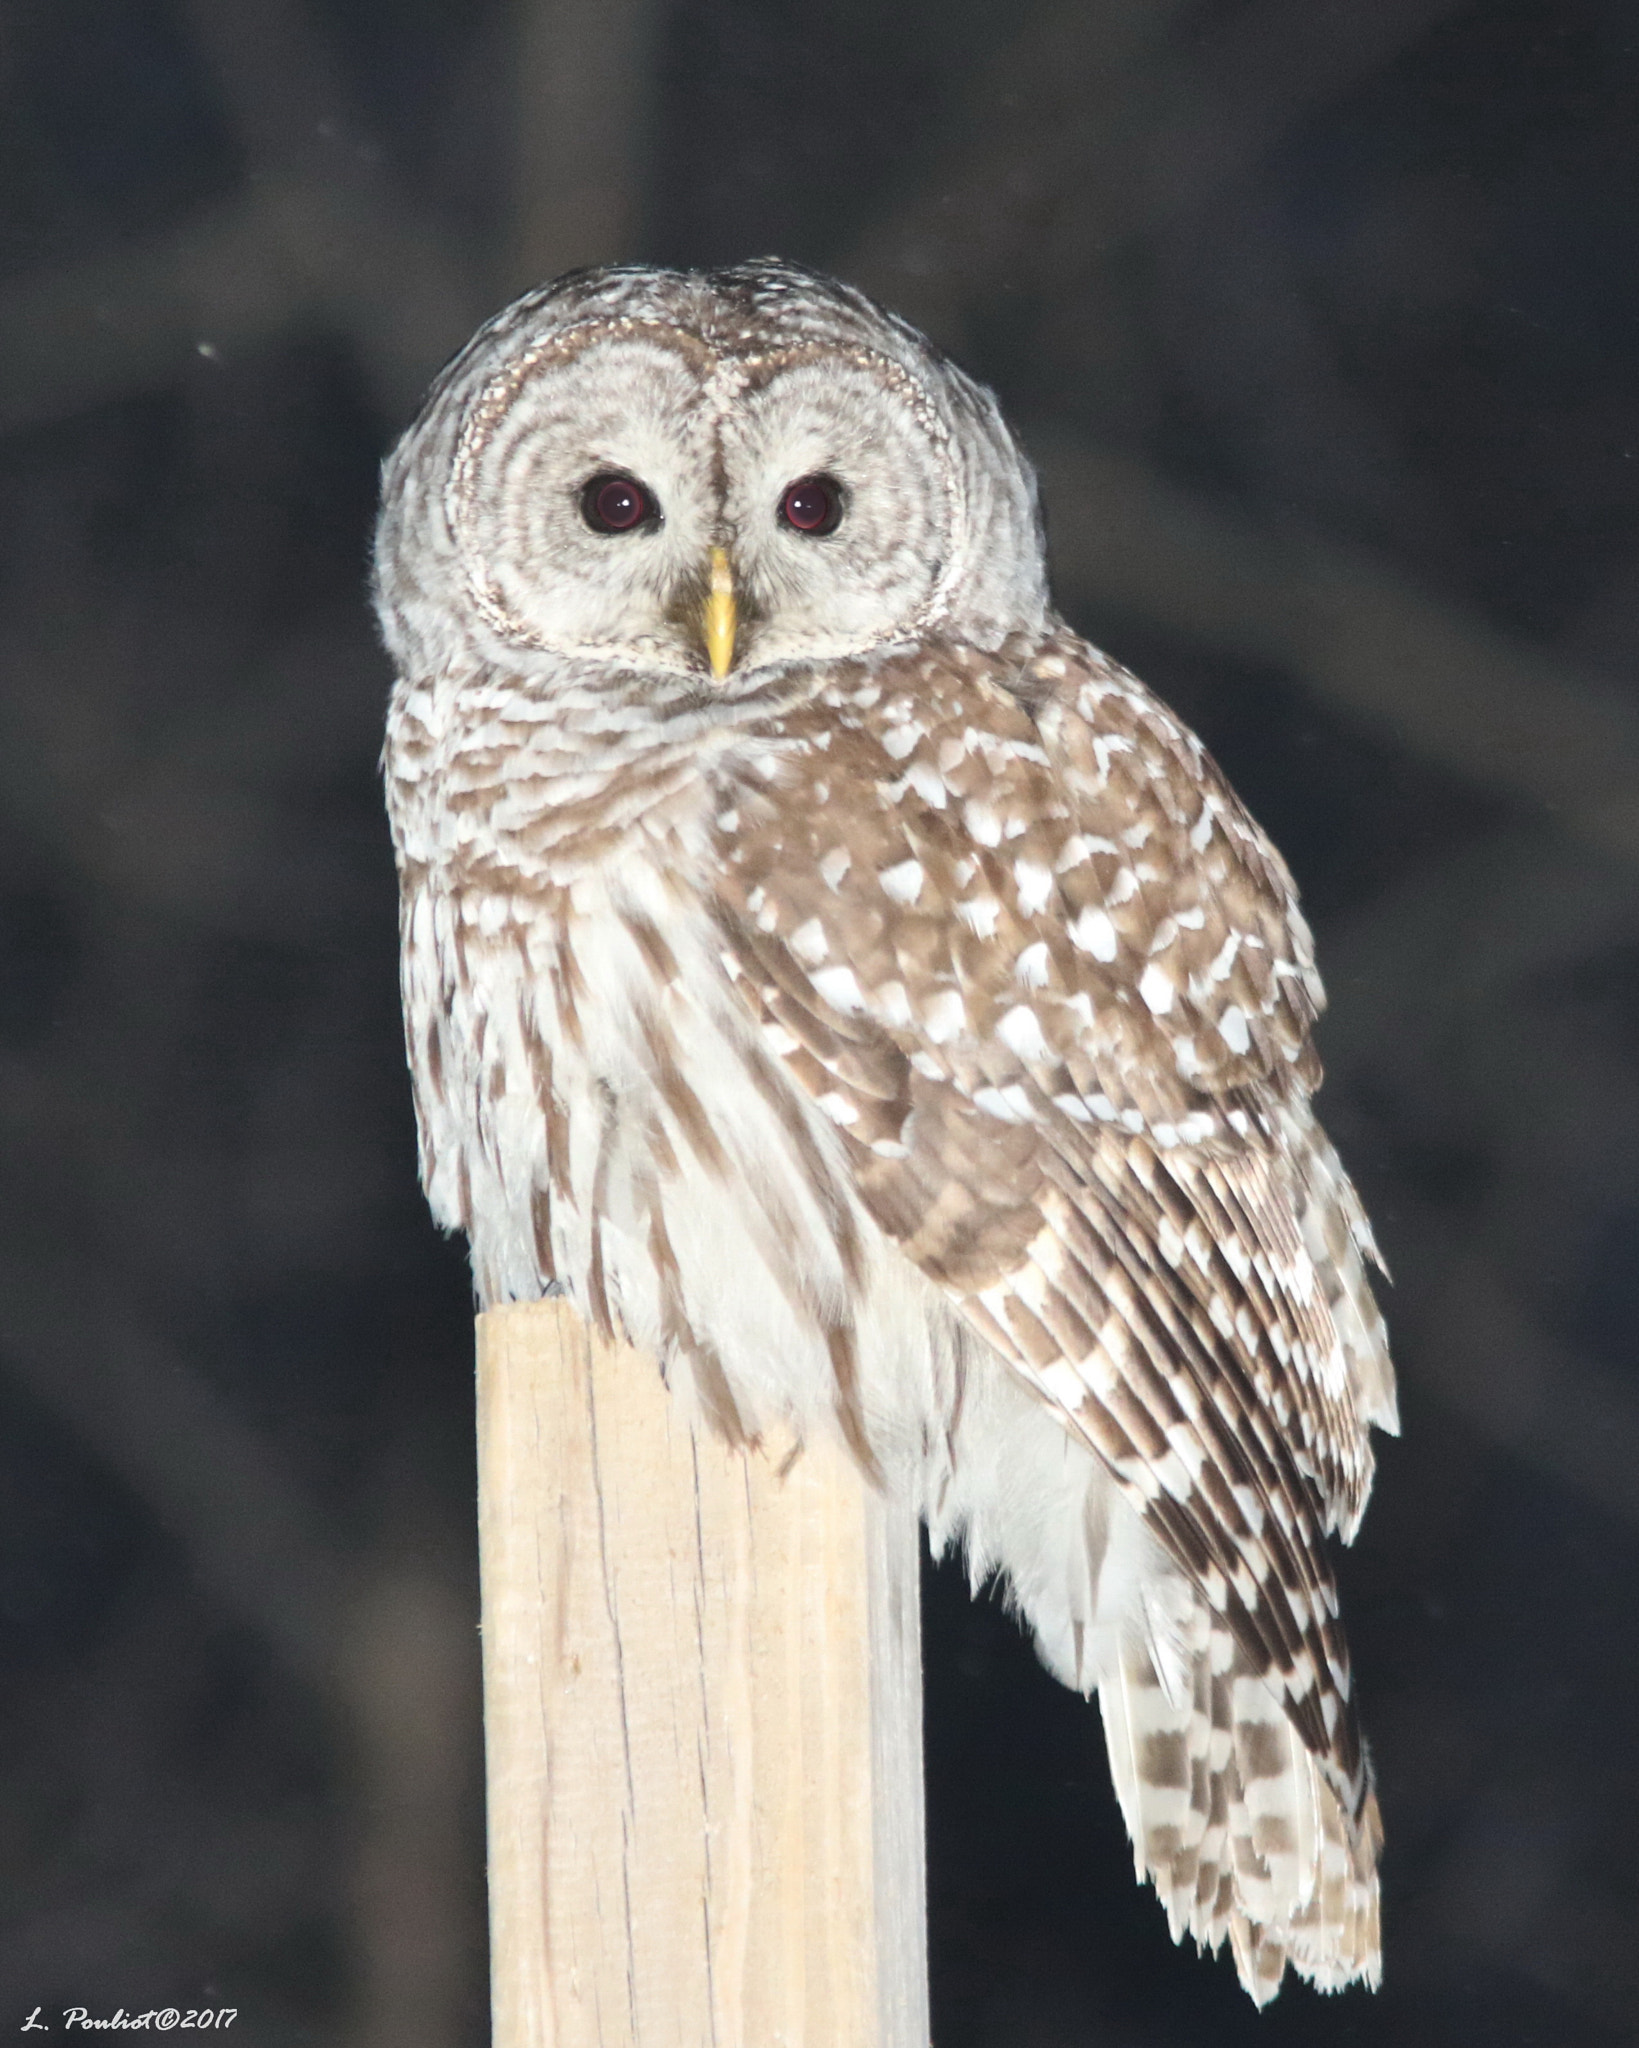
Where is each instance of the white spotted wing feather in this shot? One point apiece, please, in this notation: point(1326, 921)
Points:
point(1052, 986)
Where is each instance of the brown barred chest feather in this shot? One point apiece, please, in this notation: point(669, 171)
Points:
point(584, 1070)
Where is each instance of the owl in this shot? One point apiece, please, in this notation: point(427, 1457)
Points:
point(847, 983)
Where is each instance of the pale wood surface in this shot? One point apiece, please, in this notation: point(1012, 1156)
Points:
point(703, 1718)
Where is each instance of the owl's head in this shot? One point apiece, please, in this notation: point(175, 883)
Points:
point(703, 475)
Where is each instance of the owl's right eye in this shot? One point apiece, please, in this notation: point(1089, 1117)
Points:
point(610, 503)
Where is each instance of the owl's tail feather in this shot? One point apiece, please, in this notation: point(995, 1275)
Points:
point(1238, 1830)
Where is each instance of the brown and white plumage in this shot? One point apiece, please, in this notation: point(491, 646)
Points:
point(904, 1031)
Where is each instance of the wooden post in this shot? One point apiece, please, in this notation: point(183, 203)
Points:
point(703, 1718)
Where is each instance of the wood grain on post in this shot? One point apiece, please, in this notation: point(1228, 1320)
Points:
point(703, 1718)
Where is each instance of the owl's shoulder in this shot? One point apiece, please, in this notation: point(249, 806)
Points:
point(1123, 747)
point(1032, 814)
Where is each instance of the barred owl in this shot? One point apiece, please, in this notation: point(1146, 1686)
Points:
point(833, 973)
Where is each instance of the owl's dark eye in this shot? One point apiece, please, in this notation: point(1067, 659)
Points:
point(616, 504)
point(813, 505)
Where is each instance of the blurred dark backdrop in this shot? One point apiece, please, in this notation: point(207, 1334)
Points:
point(1322, 319)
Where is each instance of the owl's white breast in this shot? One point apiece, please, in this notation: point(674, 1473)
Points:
point(597, 1109)
point(604, 1170)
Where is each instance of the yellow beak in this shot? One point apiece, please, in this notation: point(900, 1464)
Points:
point(721, 615)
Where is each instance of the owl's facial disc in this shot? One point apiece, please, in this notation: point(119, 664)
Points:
point(583, 502)
point(638, 498)
point(839, 498)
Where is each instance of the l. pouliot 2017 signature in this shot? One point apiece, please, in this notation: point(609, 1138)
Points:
point(160, 2019)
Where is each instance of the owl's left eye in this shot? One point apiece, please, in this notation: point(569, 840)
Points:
point(812, 505)
point(610, 503)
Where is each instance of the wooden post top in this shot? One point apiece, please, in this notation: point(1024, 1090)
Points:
point(702, 1680)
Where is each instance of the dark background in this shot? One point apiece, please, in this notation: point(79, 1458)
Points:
point(1323, 323)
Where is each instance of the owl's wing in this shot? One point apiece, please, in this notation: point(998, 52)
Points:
point(1005, 923)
